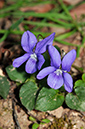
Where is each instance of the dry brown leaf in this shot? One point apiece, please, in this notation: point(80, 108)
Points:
point(39, 8)
point(78, 11)
point(2, 3)
point(72, 2)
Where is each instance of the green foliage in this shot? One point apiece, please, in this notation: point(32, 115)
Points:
point(43, 100)
point(35, 126)
point(80, 82)
point(4, 87)
point(28, 94)
point(31, 96)
point(47, 59)
point(58, 17)
point(4, 36)
point(83, 77)
point(65, 35)
point(7, 32)
point(48, 99)
point(77, 100)
point(46, 120)
point(16, 24)
point(17, 74)
point(32, 118)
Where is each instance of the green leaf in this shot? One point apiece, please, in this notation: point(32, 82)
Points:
point(66, 43)
point(4, 87)
point(79, 83)
point(46, 120)
point(48, 99)
point(83, 77)
point(48, 15)
point(32, 118)
point(4, 36)
point(65, 35)
point(64, 8)
point(28, 94)
point(80, 92)
point(47, 59)
point(17, 74)
point(43, 24)
point(35, 126)
point(77, 101)
point(16, 23)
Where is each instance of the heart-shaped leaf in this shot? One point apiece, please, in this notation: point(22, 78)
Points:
point(48, 99)
point(79, 83)
point(17, 74)
point(76, 101)
point(28, 94)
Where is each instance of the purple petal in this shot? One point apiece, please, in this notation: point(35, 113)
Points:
point(28, 41)
point(41, 46)
point(31, 66)
point(68, 60)
point(44, 72)
point(55, 56)
point(68, 82)
point(41, 61)
point(55, 81)
point(20, 60)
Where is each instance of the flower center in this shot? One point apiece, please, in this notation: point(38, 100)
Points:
point(58, 72)
point(33, 56)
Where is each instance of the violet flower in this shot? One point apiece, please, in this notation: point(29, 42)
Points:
point(57, 72)
point(34, 50)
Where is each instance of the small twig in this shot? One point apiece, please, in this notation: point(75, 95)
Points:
point(17, 126)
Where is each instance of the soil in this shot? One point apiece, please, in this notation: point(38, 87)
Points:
point(71, 119)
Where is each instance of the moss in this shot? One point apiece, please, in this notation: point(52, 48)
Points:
point(60, 123)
